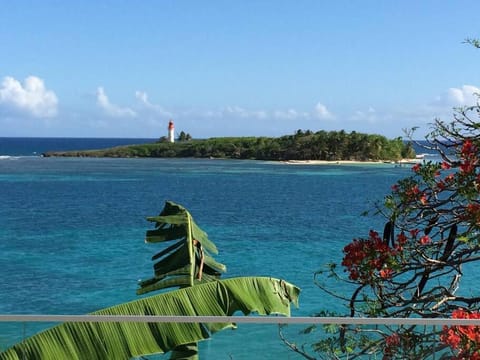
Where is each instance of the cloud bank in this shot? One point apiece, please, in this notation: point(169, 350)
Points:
point(321, 112)
point(31, 98)
point(111, 109)
point(142, 97)
point(467, 95)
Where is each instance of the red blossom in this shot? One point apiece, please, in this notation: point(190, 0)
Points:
point(414, 233)
point(392, 340)
point(424, 199)
point(413, 192)
point(386, 273)
point(401, 238)
point(424, 240)
point(463, 339)
point(467, 167)
point(449, 178)
point(445, 165)
point(367, 259)
point(468, 148)
point(416, 167)
point(441, 185)
point(469, 157)
point(472, 213)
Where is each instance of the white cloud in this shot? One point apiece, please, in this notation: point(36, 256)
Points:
point(290, 114)
point(158, 110)
point(230, 112)
point(369, 115)
point(32, 97)
point(239, 112)
point(112, 109)
point(321, 112)
point(454, 97)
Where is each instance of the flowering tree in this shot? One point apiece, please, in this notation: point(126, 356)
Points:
point(431, 241)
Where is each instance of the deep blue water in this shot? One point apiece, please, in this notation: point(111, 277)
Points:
point(18, 146)
point(71, 230)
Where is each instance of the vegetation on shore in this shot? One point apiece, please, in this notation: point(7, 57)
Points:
point(303, 145)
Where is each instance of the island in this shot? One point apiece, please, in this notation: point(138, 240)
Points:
point(301, 146)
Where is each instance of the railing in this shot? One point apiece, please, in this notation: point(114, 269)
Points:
point(264, 344)
point(240, 319)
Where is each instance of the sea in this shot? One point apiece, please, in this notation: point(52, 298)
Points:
point(72, 229)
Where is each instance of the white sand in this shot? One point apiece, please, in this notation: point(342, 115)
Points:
point(349, 162)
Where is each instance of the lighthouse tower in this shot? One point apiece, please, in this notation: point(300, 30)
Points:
point(171, 132)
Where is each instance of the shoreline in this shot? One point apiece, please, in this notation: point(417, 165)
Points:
point(352, 162)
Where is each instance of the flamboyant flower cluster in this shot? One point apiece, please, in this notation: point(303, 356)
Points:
point(392, 342)
point(463, 339)
point(368, 259)
point(424, 199)
point(469, 158)
point(428, 182)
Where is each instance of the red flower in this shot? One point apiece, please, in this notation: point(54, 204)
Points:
point(416, 167)
point(441, 185)
point(469, 157)
point(467, 167)
point(468, 148)
point(412, 193)
point(445, 165)
point(472, 213)
point(392, 340)
point(414, 233)
point(449, 178)
point(464, 339)
point(424, 240)
point(366, 260)
point(386, 273)
point(423, 199)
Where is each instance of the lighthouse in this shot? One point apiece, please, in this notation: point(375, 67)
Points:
point(171, 132)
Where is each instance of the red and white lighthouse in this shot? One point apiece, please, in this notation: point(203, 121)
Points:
point(171, 132)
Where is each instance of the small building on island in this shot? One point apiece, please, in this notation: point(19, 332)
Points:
point(171, 132)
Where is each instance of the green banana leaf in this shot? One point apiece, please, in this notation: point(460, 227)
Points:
point(188, 261)
point(108, 340)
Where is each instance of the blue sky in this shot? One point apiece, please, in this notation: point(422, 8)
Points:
point(233, 68)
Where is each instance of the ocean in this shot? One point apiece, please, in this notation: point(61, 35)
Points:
point(72, 229)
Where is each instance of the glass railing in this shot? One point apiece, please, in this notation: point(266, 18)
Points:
point(275, 337)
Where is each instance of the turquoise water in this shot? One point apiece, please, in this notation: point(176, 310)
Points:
point(71, 230)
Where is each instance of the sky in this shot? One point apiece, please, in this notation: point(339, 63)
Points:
point(234, 68)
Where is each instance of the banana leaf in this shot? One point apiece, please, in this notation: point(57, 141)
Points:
point(108, 340)
point(186, 261)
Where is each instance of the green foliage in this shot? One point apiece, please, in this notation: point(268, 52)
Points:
point(184, 136)
point(110, 340)
point(189, 260)
point(303, 145)
point(187, 264)
point(431, 240)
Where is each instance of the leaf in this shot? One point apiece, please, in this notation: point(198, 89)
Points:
point(180, 264)
point(108, 340)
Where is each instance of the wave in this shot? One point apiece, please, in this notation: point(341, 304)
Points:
point(8, 157)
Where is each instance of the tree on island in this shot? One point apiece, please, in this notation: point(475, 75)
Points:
point(303, 145)
point(188, 265)
point(184, 136)
point(414, 268)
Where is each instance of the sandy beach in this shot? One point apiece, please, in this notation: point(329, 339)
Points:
point(352, 162)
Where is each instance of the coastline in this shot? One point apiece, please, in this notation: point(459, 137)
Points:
point(352, 162)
